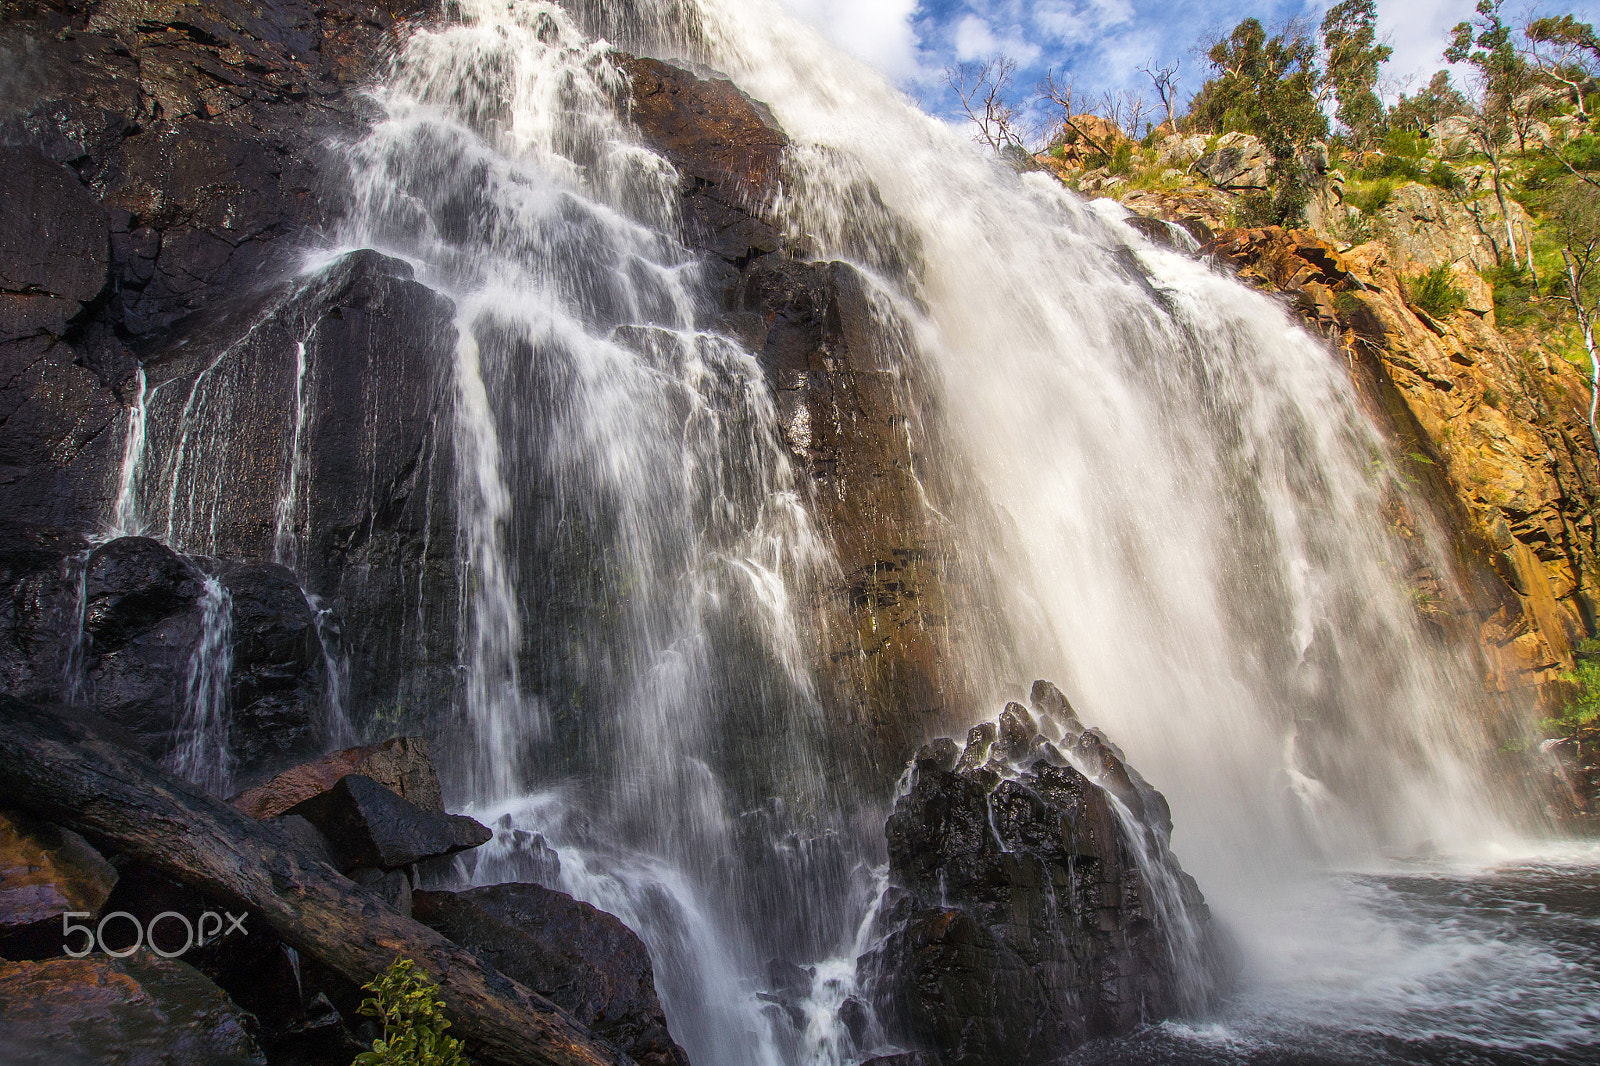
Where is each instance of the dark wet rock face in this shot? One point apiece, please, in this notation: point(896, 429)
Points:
point(45, 871)
point(116, 631)
point(583, 959)
point(139, 1011)
point(165, 160)
point(857, 413)
point(1021, 920)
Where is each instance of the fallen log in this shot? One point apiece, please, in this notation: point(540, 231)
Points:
point(60, 769)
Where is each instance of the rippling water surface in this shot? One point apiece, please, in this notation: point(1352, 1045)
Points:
point(1493, 966)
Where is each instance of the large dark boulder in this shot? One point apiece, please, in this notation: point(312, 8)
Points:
point(1025, 914)
point(581, 958)
point(369, 826)
point(143, 621)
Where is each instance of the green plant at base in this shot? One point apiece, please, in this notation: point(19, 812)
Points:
point(1583, 708)
point(413, 1021)
point(1434, 294)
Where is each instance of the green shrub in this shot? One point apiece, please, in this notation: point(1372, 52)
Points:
point(1371, 201)
point(1121, 159)
point(1443, 176)
point(1515, 302)
point(1406, 144)
point(1583, 707)
point(1393, 166)
point(413, 1021)
point(1434, 294)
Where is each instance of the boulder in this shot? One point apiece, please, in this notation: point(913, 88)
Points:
point(368, 825)
point(139, 1011)
point(143, 621)
point(1024, 914)
point(583, 959)
point(45, 871)
point(1237, 163)
point(401, 764)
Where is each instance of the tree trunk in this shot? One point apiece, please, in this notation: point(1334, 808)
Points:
point(60, 770)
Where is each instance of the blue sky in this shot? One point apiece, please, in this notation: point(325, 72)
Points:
point(1102, 43)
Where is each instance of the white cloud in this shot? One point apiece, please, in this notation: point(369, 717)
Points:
point(1417, 31)
point(974, 38)
point(877, 31)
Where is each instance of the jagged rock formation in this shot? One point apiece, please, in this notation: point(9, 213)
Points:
point(1032, 907)
point(1493, 429)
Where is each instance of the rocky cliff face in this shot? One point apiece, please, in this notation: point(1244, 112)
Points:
point(857, 416)
point(176, 167)
point(1492, 429)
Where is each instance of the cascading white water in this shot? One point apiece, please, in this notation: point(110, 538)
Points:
point(125, 512)
point(283, 539)
point(1188, 501)
point(631, 532)
point(203, 753)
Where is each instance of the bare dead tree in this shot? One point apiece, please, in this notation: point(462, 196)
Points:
point(983, 89)
point(1165, 80)
point(1126, 110)
point(1069, 109)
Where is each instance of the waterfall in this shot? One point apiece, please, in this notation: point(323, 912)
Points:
point(1177, 483)
point(1175, 489)
point(203, 754)
point(125, 512)
point(632, 537)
